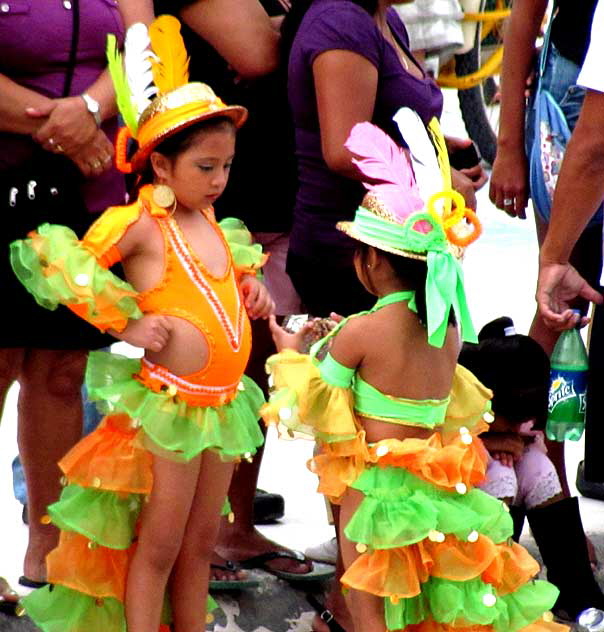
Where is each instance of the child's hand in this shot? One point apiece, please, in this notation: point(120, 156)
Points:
point(286, 340)
point(258, 301)
point(505, 447)
point(151, 332)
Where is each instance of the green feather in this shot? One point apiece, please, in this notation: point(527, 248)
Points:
point(120, 83)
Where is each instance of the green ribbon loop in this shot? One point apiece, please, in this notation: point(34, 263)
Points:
point(445, 290)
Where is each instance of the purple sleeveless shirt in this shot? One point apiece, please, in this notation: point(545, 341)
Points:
point(325, 197)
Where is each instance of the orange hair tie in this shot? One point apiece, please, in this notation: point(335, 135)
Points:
point(121, 150)
point(462, 242)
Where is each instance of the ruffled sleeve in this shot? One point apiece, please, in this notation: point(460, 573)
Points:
point(469, 406)
point(56, 267)
point(247, 256)
point(303, 401)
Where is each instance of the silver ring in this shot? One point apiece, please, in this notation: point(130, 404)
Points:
point(508, 201)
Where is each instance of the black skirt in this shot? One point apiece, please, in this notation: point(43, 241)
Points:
point(44, 189)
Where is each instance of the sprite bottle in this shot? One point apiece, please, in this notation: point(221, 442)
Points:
point(568, 383)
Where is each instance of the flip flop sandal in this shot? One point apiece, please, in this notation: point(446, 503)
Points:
point(9, 599)
point(230, 584)
point(319, 572)
point(31, 583)
point(324, 613)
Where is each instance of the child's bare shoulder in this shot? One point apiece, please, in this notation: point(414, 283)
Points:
point(348, 346)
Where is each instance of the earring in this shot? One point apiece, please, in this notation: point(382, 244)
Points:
point(163, 196)
point(368, 265)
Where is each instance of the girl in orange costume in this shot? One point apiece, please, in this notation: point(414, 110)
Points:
point(179, 418)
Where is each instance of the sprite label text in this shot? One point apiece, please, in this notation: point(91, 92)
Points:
point(567, 396)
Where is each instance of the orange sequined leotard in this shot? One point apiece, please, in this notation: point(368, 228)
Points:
point(189, 291)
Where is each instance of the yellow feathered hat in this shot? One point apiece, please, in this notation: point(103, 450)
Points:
point(153, 92)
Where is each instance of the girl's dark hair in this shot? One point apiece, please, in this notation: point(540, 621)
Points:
point(295, 15)
point(175, 144)
point(514, 367)
point(412, 273)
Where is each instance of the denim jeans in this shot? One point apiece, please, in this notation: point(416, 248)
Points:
point(560, 80)
point(92, 418)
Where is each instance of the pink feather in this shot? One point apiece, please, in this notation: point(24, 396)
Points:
point(387, 168)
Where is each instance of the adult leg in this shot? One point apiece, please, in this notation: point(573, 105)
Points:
point(190, 576)
point(162, 526)
point(10, 365)
point(50, 423)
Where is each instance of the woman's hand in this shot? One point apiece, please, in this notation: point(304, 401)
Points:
point(69, 127)
point(509, 188)
point(284, 339)
point(258, 301)
point(475, 173)
point(96, 157)
point(151, 332)
point(463, 185)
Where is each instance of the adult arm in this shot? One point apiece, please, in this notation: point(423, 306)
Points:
point(509, 179)
point(346, 87)
point(133, 11)
point(14, 100)
point(67, 121)
point(239, 30)
point(579, 192)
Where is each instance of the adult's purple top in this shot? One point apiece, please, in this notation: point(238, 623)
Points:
point(325, 197)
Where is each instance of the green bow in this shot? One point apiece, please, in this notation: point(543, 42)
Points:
point(445, 290)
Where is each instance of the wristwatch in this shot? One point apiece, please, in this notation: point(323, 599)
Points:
point(94, 107)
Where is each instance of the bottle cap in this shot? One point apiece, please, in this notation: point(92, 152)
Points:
point(591, 619)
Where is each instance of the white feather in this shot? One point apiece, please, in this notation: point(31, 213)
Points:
point(423, 155)
point(137, 62)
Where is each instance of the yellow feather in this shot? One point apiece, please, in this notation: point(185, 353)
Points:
point(171, 69)
point(441, 152)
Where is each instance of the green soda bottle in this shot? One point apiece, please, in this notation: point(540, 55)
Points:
point(568, 383)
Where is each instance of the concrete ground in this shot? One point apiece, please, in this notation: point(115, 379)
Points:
point(500, 275)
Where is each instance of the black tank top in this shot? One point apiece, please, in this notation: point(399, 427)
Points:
point(571, 29)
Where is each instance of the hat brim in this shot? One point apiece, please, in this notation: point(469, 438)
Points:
point(236, 113)
point(349, 229)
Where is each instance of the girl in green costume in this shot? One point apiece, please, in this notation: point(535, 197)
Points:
point(398, 420)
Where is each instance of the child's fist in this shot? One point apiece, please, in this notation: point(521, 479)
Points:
point(258, 301)
point(150, 332)
point(284, 339)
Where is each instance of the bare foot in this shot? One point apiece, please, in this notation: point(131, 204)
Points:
point(239, 546)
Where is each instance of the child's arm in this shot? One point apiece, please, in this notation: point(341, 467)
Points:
point(58, 268)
